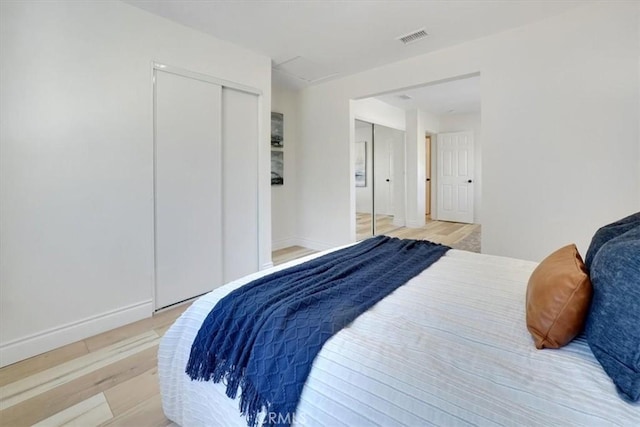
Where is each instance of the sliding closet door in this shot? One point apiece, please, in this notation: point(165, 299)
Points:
point(188, 190)
point(240, 184)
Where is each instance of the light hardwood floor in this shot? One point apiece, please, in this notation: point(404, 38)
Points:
point(384, 225)
point(287, 254)
point(111, 379)
point(444, 232)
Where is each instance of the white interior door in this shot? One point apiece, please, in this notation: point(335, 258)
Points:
point(240, 138)
point(188, 189)
point(455, 176)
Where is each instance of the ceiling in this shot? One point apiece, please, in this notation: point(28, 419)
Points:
point(453, 97)
point(311, 41)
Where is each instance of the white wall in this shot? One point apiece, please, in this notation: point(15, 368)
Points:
point(419, 124)
point(415, 138)
point(559, 96)
point(468, 122)
point(283, 197)
point(375, 111)
point(76, 163)
point(430, 122)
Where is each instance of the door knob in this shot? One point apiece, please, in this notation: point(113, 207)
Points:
point(428, 179)
point(469, 181)
point(387, 180)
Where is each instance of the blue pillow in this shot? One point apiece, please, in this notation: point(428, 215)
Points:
point(613, 323)
point(608, 232)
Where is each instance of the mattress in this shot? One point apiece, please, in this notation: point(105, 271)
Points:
point(449, 348)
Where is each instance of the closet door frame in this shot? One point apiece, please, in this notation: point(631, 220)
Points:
point(158, 66)
point(205, 78)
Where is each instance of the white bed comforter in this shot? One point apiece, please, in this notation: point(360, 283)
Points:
point(449, 348)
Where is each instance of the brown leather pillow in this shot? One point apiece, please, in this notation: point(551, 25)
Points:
point(558, 298)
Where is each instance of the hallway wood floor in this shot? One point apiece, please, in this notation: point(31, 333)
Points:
point(111, 379)
point(384, 225)
point(444, 232)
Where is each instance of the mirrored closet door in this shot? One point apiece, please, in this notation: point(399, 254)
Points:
point(378, 179)
point(364, 184)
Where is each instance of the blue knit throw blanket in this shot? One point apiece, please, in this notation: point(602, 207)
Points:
point(264, 336)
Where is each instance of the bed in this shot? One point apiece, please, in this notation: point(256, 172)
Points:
point(449, 348)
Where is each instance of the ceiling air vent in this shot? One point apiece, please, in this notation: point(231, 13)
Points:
point(413, 36)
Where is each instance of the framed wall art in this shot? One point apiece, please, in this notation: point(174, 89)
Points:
point(277, 130)
point(277, 167)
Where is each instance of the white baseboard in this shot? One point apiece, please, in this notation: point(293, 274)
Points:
point(284, 243)
point(32, 345)
point(305, 243)
point(266, 265)
point(415, 224)
point(398, 223)
point(312, 244)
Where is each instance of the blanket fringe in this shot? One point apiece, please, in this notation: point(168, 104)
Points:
point(251, 403)
point(211, 368)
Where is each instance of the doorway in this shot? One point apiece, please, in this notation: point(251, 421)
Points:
point(444, 107)
point(375, 148)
